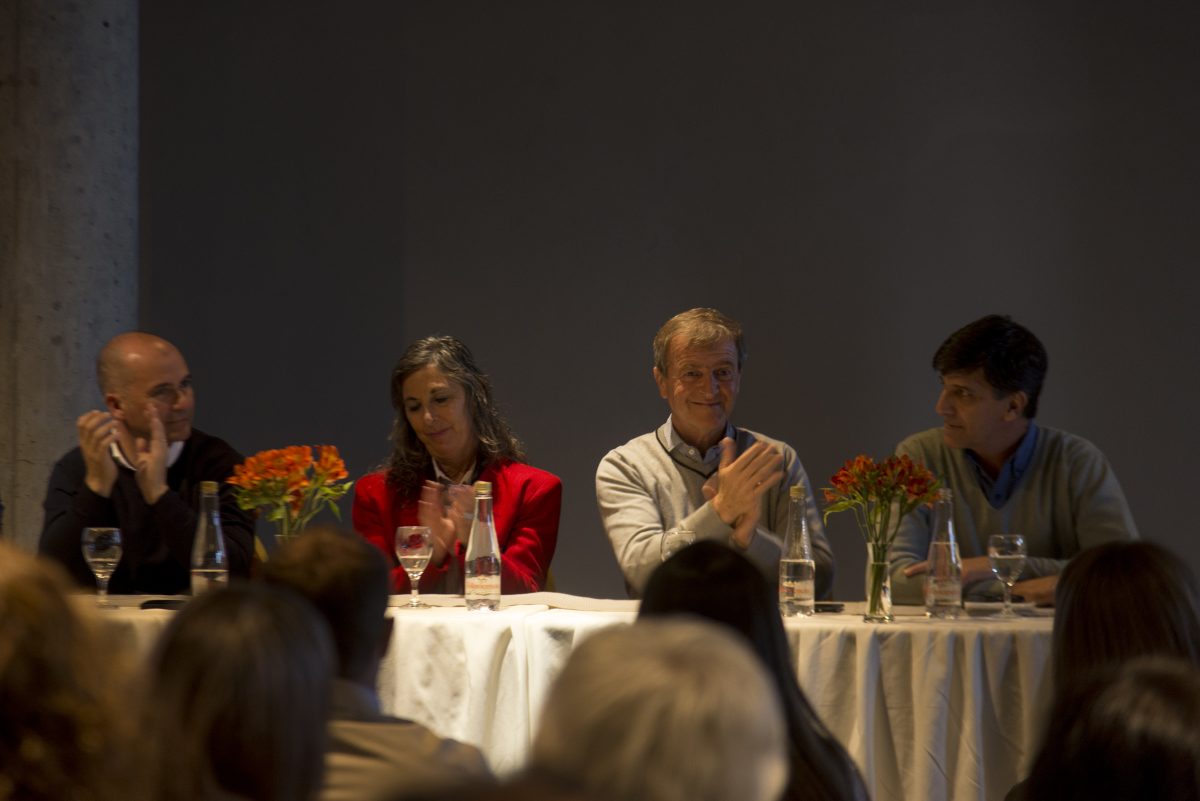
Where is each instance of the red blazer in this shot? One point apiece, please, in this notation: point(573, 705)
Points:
point(525, 506)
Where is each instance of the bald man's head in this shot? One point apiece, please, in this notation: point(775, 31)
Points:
point(141, 374)
point(116, 356)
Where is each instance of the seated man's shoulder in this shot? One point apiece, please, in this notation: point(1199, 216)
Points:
point(1072, 457)
point(926, 444)
point(748, 437)
point(212, 448)
point(383, 733)
point(1066, 445)
point(635, 450)
point(71, 461)
point(410, 748)
point(640, 442)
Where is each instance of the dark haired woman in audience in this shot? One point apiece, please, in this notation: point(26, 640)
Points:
point(66, 701)
point(712, 581)
point(447, 435)
point(239, 697)
point(1122, 600)
point(1121, 733)
point(1116, 602)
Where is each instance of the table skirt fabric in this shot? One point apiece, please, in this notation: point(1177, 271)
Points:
point(928, 709)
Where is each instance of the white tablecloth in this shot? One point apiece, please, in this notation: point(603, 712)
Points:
point(928, 709)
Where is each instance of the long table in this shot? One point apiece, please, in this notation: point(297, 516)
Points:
point(928, 709)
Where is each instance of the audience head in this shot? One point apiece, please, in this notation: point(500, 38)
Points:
point(1127, 732)
point(1122, 600)
point(239, 697)
point(664, 711)
point(348, 581)
point(712, 581)
point(64, 696)
point(1011, 357)
point(138, 371)
point(445, 410)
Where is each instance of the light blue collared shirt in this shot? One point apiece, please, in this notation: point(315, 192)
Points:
point(999, 489)
point(705, 462)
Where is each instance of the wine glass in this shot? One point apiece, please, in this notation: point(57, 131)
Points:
point(102, 550)
point(675, 540)
point(1006, 554)
point(414, 547)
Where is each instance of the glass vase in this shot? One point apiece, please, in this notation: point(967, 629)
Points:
point(879, 585)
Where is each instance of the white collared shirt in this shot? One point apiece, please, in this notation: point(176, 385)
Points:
point(173, 451)
point(676, 445)
point(440, 474)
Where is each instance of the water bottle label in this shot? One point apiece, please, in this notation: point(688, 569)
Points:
point(945, 593)
point(799, 591)
point(482, 586)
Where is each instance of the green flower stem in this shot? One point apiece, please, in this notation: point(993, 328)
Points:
point(877, 576)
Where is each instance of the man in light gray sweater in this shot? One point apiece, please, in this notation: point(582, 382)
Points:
point(1009, 475)
point(697, 471)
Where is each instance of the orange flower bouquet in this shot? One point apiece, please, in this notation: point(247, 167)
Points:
point(291, 485)
point(880, 494)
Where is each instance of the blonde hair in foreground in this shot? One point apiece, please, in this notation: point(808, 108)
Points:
point(664, 710)
point(64, 730)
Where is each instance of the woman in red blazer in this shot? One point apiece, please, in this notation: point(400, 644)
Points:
point(447, 435)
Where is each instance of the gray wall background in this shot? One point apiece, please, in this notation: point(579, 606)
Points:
point(323, 182)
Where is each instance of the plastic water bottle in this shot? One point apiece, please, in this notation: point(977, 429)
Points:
point(797, 571)
point(943, 581)
point(482, 572)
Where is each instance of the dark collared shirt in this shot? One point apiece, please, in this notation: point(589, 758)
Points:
point(999, 489)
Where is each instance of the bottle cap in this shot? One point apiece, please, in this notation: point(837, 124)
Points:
point(797, 491)
point(208, 487)
point(483, 488)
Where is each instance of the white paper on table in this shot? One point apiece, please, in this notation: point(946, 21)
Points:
point(554, 600)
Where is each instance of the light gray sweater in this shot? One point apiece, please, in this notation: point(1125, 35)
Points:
point(642, 491)
point(1067, 500)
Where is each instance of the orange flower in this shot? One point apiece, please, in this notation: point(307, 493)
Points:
point(870, 489)
point(330, 464)
point(290, 484)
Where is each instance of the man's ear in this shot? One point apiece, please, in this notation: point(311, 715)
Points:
point(661, 381)
point(1016, 405)
point(113, 402)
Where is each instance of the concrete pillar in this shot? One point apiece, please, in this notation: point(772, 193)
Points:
point(68, 227)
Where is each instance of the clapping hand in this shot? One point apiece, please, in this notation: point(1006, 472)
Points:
point(97, 433)
point(1038, 590)
point(448, 522)
point(740, 482)
point(462, 499)
point(150, 461)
